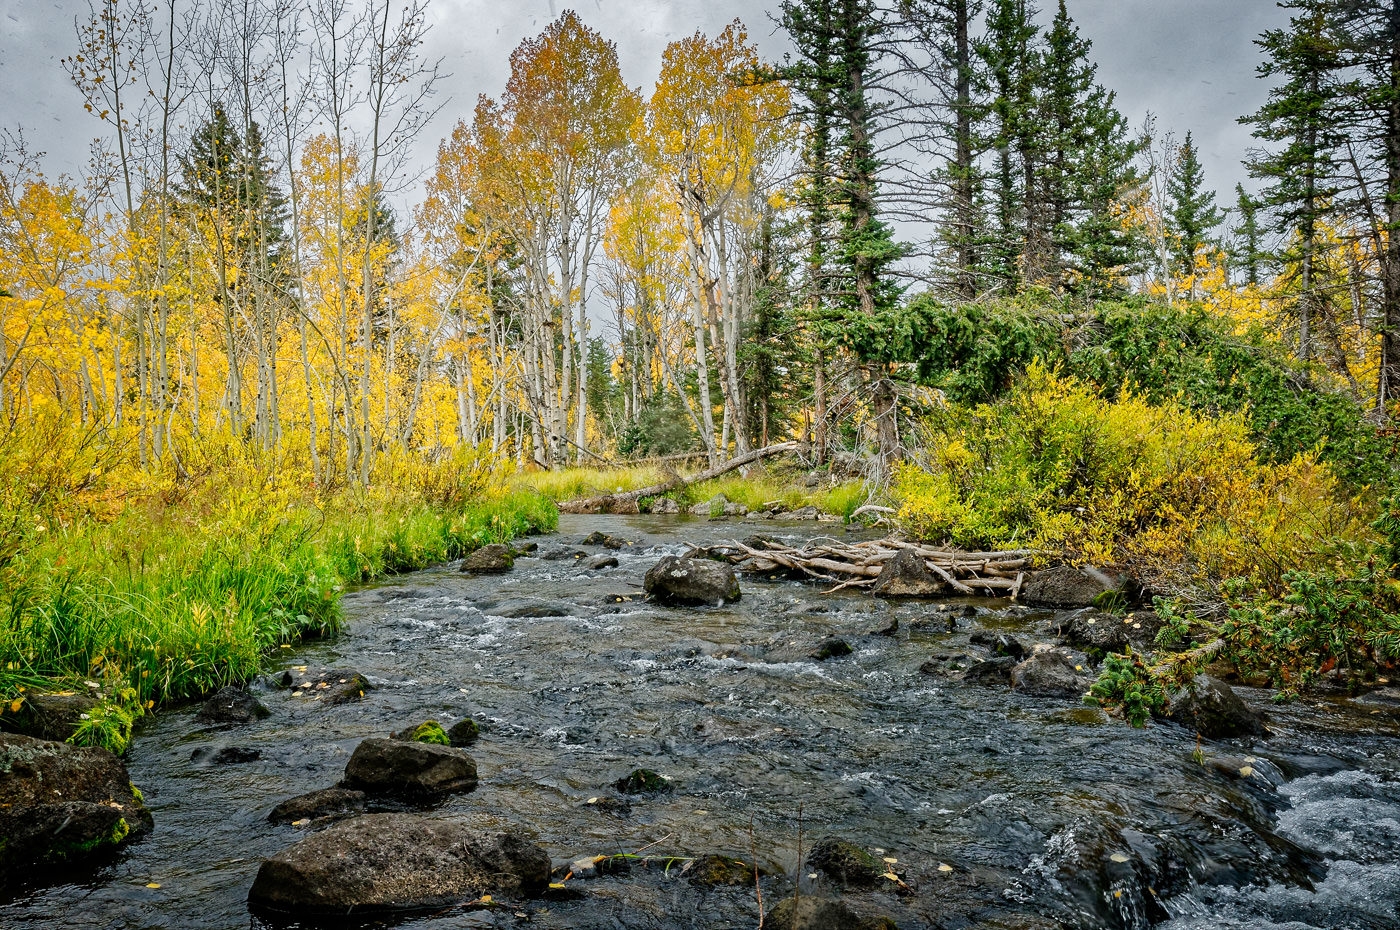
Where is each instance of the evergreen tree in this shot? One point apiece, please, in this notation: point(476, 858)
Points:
point(1300, 173)
point(1246, 251)
point(1194, 214)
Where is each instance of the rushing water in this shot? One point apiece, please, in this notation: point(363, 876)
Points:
point(1002, 811)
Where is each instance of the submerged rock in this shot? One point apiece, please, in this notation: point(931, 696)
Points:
point(995, 671)
point(845, 862)
point(1066, 586)
point(906, 575)
point(599, 562)
point(324, 803)
point(691, 581)
point(225, 755)
point(1048, 673)
point(597, 538)
point(393, 862)
point(833, 648)
point(643, 781)
point(1212, 708)
point(999, 643)
point(429, 731)
point(713, 870)
point(62, 804)
point(562, 554)
point(231, 707)
point(494, 559)
point(415, 770)
point(527, 607)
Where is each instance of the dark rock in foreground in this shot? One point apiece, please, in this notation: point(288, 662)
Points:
point(231, 707)
point(1000, 643)
point(48, 716)
point(642, 781)
point(1066, 586)
point(906, 575)
point(691, 581)
point(715, 870)
point(815, 913)
point(1097, 633)
point(995, 671)
point(845, 862)
point(382, 863)
point(494, 559)
point(62, 804)
point(324, 803)
point(331, 686)
point(414, 770)
point(1049, 673)
point(1212, 708)
point(833, 648)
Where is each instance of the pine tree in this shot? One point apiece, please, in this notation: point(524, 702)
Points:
point(1194, 214)
point(1299, 175)
point(1246, 251)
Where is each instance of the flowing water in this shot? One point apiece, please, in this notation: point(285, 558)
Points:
point(1001, 811)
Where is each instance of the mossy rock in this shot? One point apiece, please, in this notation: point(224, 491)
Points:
point(715, 870)
point(833, 648)
point(816, 913)
point(643, 781)
point(463, 733)
point(845, 862)
point(429, 731)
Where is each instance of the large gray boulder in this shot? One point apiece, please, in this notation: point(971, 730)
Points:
point(1097, 633)
point(1049, 673)
point(1066, 586)
point(382, 863)
point(408, 769)
point(1211, 708)
point(494, 559)
point(691, 581)
point(62, 804)
point(906, 575)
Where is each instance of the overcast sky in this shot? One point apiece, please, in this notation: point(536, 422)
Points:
point(1191, 62)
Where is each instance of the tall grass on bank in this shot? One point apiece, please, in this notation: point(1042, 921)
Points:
point(179, 591)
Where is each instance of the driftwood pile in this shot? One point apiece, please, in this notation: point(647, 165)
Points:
point(862, 564)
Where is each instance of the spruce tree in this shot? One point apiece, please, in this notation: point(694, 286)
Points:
point(1193, 213)
point(1246, 250)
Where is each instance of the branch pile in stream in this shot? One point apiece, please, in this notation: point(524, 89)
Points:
point(860, 564)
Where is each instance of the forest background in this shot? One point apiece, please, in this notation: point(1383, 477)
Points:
point(235, 377)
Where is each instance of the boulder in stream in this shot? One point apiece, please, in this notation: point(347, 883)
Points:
point(598, 563)
point(61, 804)
point(905, 575)
point(833, 648)
point(324, 803)
point(715, 870)
point(1096, 633)
point(429, 731)
point(414, 770)
point(1049, 672)
point(812, 912)
point(463, 733)
point(664, 505)
point(845, 862)
point(382, 863)
point(48, 716)
point(691, 581)
point(1000, 644)
point(1067, 586)
point(494, 559)
point(995, 671)
point(231, 706)
point(643, 781)
point(1212, 708)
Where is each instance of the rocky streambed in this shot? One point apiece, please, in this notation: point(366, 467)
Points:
point(925, 763)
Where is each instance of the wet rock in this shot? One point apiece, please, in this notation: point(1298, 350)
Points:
point(845, 862)
point(736, 510)
point(524, 607)
point(231, 707)
point(463, 733)
point(714, 870)
point(415, 770)
point(999, 643)
point(48, 716)
point(803, 513)
point(429, 731)
point(833, 648)
point(346, 688)
point(394, 862)
point(891, 630)
point(1048, 673)
point(815, 913)
point(1211, 708)
point(664, 505)
point(643, 781)
point(949, 664)
point(617, 807)
point(524, 549)
point(562, 553)
point(1142, 628)
point(691, 581)
point(991, 671)
point(1097, 633)
point(1067, 586)
point(597, 538)
point(327, 802)
point(494, 559)
point(61, 803)
point(225, 755)
point(905, 575)
point(598, 563)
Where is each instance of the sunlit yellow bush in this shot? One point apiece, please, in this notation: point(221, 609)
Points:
point(1179, 498)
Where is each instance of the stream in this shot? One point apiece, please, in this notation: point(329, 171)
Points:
point(1000, 810)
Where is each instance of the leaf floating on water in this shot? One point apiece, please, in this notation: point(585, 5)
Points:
point(944, 867)
point(1118, 857)
point(592, 800)
point(152, 884)
point(557, 886)
point(891, 876)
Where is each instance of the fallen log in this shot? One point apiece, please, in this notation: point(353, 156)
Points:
point(626, 501)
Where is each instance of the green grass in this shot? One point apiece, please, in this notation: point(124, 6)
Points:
point(169, 602)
